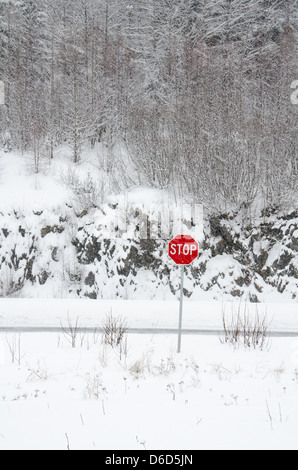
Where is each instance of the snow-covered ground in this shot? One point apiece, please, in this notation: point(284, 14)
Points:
point(21, 187)
point(144, 395)
point(208, 397)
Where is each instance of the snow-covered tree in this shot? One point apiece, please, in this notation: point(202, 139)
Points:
point(198, 88)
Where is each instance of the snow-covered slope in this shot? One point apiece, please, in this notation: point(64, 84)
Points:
point(53, 243)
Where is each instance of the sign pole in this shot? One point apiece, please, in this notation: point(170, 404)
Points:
point(181, 310)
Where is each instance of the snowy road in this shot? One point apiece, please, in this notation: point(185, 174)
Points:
point(142, 331)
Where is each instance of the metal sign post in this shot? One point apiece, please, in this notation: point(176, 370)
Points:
point(181, 310)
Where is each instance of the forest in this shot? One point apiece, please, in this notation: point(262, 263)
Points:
point(198, 91)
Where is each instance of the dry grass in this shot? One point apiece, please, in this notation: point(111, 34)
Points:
point(246, 328)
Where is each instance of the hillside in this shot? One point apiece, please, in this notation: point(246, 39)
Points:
point(152, 104)
point(198, 92)
point(54, 244)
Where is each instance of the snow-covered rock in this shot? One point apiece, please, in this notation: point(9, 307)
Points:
point(43, 253)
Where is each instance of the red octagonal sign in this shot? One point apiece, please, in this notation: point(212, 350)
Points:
point(183, 249)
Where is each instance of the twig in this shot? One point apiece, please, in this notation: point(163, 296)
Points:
point(270, 416)
point(67, 441)
point(71, 332)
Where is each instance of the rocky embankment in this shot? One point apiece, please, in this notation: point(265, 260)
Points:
point(66, 255)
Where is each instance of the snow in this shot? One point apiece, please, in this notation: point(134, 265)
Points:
point(139, 314)
point(97, 397)
point(93, 396)
point(209, 397)
point(21, 189)
point(34, 202)
point(148, 197)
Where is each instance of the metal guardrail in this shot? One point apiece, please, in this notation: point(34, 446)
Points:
point(149, 331)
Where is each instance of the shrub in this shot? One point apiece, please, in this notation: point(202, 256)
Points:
point(114, 330)
point(250, 330)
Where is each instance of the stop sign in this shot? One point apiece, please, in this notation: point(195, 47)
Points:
point(183, 249)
